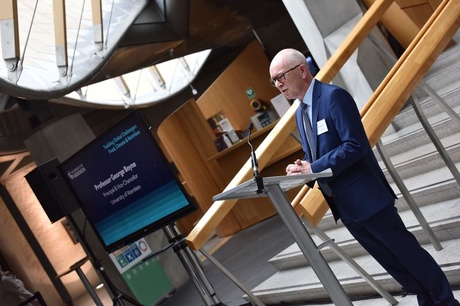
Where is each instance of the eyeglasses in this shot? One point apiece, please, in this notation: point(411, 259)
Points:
point(282, 76)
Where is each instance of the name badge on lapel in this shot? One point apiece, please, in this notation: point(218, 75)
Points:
point(321, 127)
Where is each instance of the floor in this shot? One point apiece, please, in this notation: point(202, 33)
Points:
point(246, 256)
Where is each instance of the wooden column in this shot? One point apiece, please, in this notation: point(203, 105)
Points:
point(98, 29)
point(10, 36)
point(60, 36)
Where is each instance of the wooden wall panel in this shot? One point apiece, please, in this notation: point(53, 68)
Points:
point(227, 93)
point(186, 139)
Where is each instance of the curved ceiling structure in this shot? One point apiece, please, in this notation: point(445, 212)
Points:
point(52, 49)
point(142, 87)
point(90, 56)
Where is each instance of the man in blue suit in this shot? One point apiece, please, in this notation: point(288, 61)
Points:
point(358, 192)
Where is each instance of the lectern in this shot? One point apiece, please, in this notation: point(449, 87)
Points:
point(275, 187)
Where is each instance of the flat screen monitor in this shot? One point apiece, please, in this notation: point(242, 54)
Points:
point(125, 185)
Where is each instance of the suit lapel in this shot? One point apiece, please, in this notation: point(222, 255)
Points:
point(314, 117)
point(315, 112)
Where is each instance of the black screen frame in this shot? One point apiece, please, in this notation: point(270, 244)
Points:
point(79, 157)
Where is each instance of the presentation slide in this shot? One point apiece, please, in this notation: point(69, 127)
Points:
point(124, 182)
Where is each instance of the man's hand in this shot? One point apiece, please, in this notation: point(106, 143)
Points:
point(298, 167)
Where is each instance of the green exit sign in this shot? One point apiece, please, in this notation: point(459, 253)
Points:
point(250, 93)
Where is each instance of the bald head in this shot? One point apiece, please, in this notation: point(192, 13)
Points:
point(290, 74)
point(289, 57)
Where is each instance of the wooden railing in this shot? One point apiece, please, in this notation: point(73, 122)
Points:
point(376, 115)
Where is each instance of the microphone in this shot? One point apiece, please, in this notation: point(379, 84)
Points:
point(255, 165)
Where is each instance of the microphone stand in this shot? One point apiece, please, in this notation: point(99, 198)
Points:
point(255, 165)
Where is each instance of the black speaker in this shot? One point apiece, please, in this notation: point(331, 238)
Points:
point(52, 191)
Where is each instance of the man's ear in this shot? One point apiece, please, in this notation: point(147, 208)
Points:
point(305, 71)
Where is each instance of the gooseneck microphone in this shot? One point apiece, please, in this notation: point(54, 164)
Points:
point(255, 164)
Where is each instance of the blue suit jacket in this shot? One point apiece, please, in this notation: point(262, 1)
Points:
point(359, 186)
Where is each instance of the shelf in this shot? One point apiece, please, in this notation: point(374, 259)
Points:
point(243, 141)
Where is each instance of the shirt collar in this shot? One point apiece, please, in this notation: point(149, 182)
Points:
point(308, 98)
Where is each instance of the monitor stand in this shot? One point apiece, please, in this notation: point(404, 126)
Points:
point(275, 188)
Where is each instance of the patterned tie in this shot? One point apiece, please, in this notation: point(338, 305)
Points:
point(308, 131)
